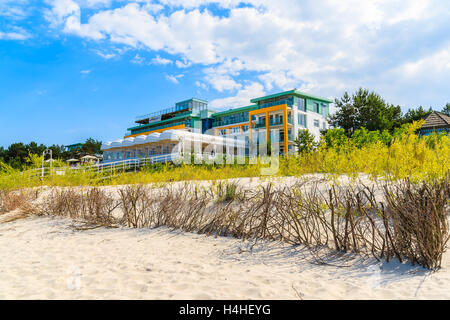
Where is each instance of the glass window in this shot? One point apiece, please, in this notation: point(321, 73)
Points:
point(301, 104)
point(316, 123)
point(235, 130)
point(324, 125)
point(302, 120)
point(324, 110)
point(316, 107)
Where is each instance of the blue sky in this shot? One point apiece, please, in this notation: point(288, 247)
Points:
point(73, 69)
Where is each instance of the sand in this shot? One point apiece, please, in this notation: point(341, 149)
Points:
point(47, 258)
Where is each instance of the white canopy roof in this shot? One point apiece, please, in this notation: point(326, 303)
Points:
point(88, 157)
point(174, 136)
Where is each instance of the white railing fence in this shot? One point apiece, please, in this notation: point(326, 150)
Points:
point(109, 168)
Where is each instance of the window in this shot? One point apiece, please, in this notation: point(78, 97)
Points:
point(223, 132)
point(302, 120)
point(316, 123)
point(235, 130)
point(245, 128)
point(324, 110)
point(324, 125)
point(316, 107)
point(262, 120)
point(301, 104)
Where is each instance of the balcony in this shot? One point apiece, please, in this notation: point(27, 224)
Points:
point(229, 122)
point(272, 123)
point(290, 138)
point(186, 123)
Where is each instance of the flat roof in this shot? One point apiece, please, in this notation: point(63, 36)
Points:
point(156, 123)
point(74, 145)
point(235, 110)
point(192, 99)
point(292, 92)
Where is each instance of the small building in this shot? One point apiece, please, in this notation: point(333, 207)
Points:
point(73, 147)
point(192, 115)
point(435, 122)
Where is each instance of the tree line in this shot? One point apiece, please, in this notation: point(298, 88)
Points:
point(17, 155)
point(364, 114)
point(365, 109)
point(364, 117)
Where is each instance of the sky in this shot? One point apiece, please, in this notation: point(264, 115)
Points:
point(74, 69)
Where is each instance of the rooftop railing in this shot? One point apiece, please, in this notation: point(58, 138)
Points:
point(161, 112)
point(187, 124)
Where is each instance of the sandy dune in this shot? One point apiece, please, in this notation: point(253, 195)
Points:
point(46, 258)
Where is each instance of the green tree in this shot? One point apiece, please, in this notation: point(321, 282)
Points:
point(305, 142)
point(416, 114)
point(334, 138)
point(16, 155)
point(446, 109)
point(34, 148)
point(91, 146)
point(365, 109)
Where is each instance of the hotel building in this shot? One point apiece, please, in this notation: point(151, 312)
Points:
point(159, 133)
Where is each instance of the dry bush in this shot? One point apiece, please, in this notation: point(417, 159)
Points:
point(3, 194)
point(97, 207)
point(302, 216)
point(18, 199)
point(136, 204)
point(413, 226)
point(410, 223)
point(64, 203)
point(418, 221)
point(92, 205)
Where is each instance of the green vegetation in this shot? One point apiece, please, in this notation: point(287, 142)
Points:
point(380, 154)
point(364, 109)
point(18, 155)
point(305, 142)
point(446, 109)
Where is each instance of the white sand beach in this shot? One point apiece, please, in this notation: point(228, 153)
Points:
point(46, 258)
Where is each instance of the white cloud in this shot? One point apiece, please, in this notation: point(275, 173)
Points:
point(174, 78)
point(242, 97)
point(161, 61)
point(221, 82)
point(14, 9)
point(106, 56)
point(201, 85)
point(85, 71)
point(183, 64)
point(14, 35)
point(138, 59)
point(429, 66)
point(324, 47)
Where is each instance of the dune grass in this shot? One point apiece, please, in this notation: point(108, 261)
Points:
point(406, 156)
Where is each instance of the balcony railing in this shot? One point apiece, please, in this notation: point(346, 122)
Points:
point(187, 124)
point(290, 137)
point(228, 122)
point(161, 112)
point(271, 123)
